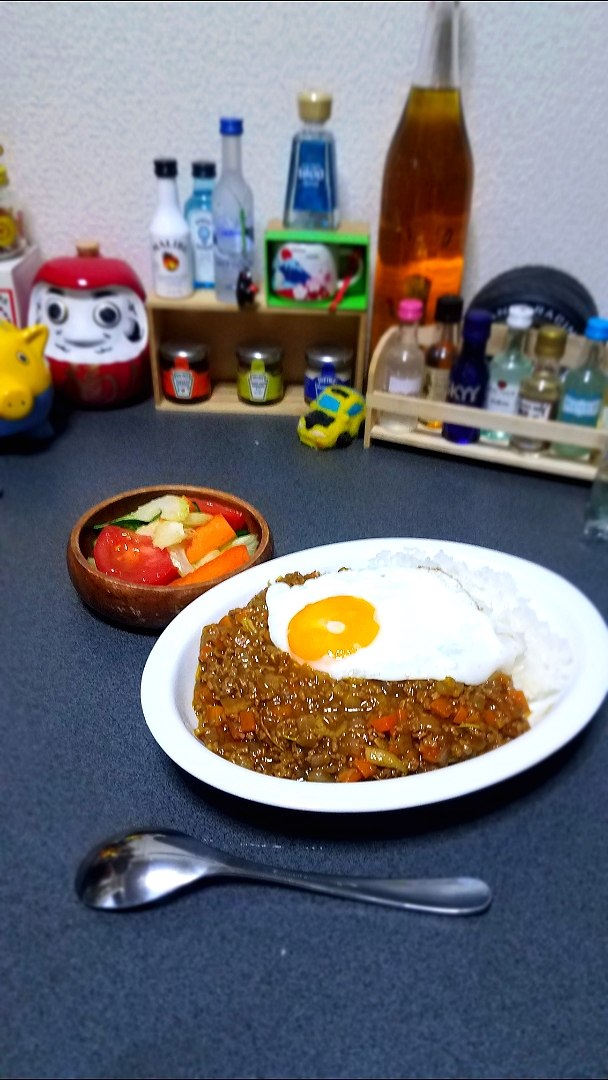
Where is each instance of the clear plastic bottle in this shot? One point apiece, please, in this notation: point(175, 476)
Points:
point(540, 392)
point(596, 516)
point(400, 368)
point(232, 215)
point(311, 201)
point(170, 236)
point(428, 181)
point(199, 216)
point(469, 374)
point(584, 388)
point(441, 354)
point(507, 370)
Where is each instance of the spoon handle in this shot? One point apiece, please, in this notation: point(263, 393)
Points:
point(440, 896)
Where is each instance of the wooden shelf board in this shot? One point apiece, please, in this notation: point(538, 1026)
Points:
point(224, 399)
point(578, 470)
point(205, 300)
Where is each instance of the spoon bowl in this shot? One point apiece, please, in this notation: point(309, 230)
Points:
point(147, 865)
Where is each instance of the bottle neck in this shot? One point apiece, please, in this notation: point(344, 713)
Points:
point(167, 193)
point(448, 333)
point(516, 340)
point(203, 184)
point(231, 153)
point(593, 355)
point(313, 127)
point(474, 349)
point(408, 333)
point(438, 60)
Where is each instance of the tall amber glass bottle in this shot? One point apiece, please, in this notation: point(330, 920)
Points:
point(428, 182)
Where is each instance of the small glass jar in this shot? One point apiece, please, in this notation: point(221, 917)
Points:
point(327, 365)
point(185, 372)
point(259, 373)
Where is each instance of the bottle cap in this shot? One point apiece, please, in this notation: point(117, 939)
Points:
point(520, 316)
point(314, 105)
point(410, 310)
point(477, 325)
point(230, 125)
point(87, 249)
point(449, 309)
point(203, 170)
point(165, 168)
point(551, 342)
point(597, 329)
point(3, 176)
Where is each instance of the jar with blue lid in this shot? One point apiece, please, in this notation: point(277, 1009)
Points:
point(327, 365)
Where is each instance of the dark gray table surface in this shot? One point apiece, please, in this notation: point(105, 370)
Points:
point(241, 980)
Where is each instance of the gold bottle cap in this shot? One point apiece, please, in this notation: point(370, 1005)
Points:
point(87, 248)
point(3, 176)
point(551, 342)
point(314, 105)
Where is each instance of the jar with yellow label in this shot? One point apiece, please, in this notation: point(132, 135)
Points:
point(259, 373)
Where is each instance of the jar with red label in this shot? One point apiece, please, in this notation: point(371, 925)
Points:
point(185, 372)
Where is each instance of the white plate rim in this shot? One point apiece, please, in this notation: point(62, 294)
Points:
point(166, 696)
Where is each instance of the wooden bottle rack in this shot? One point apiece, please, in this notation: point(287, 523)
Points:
point(594, 439)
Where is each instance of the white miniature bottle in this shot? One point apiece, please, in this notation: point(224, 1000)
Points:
point(232, 215)
point(400, 368)
point(172, 267)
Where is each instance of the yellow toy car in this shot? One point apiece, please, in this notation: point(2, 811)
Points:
point(334, 419)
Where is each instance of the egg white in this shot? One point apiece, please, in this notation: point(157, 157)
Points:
point(430, 627)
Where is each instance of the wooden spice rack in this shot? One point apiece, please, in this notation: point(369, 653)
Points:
point(594, 439)
point(202, 318)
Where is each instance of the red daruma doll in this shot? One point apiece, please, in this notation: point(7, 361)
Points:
point(98, 330)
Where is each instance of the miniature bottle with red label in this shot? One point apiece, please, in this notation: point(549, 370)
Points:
point(184, 372)
point(172, 269)
point(507, 370)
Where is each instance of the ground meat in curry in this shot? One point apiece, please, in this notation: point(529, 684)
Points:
point(260, 709)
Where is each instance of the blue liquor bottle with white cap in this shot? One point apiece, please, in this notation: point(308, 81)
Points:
point(232, 215)
point(469, 374)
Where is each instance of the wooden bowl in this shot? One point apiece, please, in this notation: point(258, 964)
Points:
point(148, 607)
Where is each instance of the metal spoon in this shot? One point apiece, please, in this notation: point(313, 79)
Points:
point(138, 869)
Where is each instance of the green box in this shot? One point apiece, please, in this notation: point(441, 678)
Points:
point(353, 235)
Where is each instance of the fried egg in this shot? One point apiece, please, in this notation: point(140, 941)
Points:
point(387, 624)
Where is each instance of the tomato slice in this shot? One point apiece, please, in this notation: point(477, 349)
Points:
point(234, 517)
point(125, 555)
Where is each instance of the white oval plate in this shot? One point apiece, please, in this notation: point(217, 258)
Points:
point(168, 684)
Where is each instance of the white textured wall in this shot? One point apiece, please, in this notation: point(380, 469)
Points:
point(91, 92)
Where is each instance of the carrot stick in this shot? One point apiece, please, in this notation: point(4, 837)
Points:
point(228, 560)
point(213, 534)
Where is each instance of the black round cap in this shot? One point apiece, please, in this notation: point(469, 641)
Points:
point(449, 309)
point(165, 167)
point(203, 170)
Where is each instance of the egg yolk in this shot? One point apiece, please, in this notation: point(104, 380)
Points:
point(336, 626)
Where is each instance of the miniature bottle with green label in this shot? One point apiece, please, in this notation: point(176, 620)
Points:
point(507, 370)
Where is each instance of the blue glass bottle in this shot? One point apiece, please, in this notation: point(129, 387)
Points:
point(469, 374)
point(198, 214)
point(311, 201)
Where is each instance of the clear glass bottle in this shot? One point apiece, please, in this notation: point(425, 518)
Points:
point(198, 214)
point(232, 215)
point(428, 182)
point(441, 355)
point(596, 516)
point(400, 368)
point(170, 236)
point(507, 369)
point(584, 388)
point(311, 201)
point(469, 374)
point(540, 392)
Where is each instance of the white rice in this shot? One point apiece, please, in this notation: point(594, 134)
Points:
point(543, 662)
